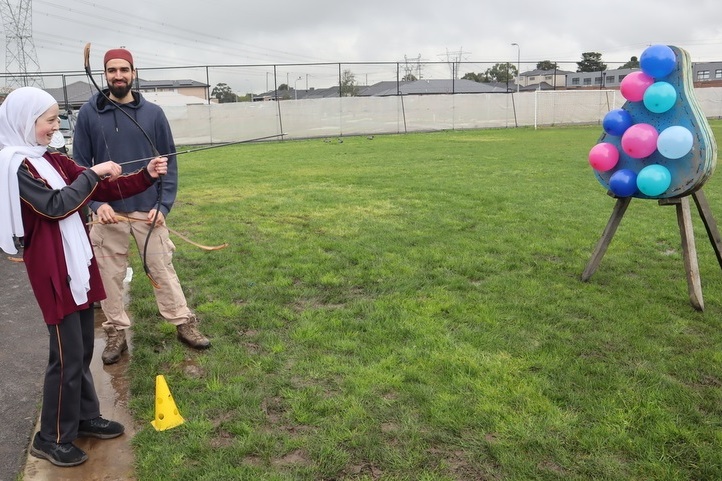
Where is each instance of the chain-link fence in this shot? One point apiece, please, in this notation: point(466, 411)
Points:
point(312, 101)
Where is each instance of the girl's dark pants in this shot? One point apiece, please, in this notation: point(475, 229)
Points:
point(69, 393)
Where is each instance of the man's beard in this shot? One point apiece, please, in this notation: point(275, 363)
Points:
point(120, 91)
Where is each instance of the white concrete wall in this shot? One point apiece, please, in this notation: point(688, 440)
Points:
point(215, 123)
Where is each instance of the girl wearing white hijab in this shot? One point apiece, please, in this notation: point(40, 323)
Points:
point(42, 195)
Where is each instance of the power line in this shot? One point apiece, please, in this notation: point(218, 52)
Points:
point(171, 34)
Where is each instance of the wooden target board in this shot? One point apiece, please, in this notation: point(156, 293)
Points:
point(659, 145)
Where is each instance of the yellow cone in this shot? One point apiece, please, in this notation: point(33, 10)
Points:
point(166, 412)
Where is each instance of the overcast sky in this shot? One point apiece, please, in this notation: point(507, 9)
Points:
point(163, 33)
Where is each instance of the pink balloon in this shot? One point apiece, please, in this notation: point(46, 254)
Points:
point(634, 85)
point(640, 141)
point(603, 156)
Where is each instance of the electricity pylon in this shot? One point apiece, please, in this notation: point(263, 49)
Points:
point(21, 60)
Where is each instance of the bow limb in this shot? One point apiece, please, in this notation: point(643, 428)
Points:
point(124, 218)
point(88, 72)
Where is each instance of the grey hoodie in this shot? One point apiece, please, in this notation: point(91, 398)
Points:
point(102, 133)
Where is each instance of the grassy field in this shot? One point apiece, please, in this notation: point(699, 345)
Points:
point(409, 307)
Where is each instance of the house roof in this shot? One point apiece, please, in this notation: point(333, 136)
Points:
point(78, 93)
point(324, 93)
point(447, 86)
point(380, 88)
point(535, 72)
point(183, 83)
point(539, 86)
point(314, 93)
point(390, 88)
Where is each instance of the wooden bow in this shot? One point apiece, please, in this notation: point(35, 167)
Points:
point(124, 218)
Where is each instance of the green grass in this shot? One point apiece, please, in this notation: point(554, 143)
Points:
point(410, 308)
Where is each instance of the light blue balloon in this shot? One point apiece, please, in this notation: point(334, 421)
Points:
point(660, 97)
point(675, 142)
point(653, 180)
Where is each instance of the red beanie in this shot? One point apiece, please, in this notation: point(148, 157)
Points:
point(120, 53)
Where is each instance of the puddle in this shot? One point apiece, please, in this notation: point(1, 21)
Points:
point(111, 459)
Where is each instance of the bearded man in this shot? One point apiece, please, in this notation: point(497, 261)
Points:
point(102, 133)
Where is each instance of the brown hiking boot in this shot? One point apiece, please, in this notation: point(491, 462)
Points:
point(115, 344)
point(188, 333)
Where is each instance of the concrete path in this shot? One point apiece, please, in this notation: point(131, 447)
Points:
point(23, 356)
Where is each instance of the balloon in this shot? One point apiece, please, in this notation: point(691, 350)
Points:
point(640, 141)
point(653, 180)
point(617, 121)
point(675, 142)
point(658, 61)
point(634, 85)
point(603, 156)
point(660, 97)
point(623, 183)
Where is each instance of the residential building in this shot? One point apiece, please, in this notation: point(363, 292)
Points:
point(704, 74)
point(183, 87)
point(543, 79)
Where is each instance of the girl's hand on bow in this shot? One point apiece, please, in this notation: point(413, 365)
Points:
point(107, 169)
point(158, 167)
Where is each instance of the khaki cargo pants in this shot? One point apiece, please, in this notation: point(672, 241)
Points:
point(111, 243)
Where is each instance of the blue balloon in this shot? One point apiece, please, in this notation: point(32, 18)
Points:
point(675, 142)
point(623, 183)
point(653, 180)
point(658, 61)
point(660, 97)
point(617, 121)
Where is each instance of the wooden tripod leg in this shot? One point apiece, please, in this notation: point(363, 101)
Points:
point(617, 213)
point(709, 223)
point(689, 251)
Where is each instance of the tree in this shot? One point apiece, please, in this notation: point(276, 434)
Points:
point(223, 93)
point(633, 63)
point(546, 65)
point(409, 77)
point(500, 72)
point(476, 77)
point(348, 84)
point(591, 62)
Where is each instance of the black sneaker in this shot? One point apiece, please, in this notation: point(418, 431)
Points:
point(100, 428)
point(63, 454)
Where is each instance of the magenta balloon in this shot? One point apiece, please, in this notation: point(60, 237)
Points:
point(603, 157)
point(640, 141)
point(634, 85)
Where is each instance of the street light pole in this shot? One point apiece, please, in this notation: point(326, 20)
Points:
point(518, 58)
point(295, 92)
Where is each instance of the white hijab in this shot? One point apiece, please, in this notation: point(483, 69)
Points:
point(18, 114)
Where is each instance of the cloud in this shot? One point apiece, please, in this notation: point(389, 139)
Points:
point(166, 33)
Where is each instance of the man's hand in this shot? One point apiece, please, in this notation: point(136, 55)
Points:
point(151, 215)
point(158, 167)
point(106, 214)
